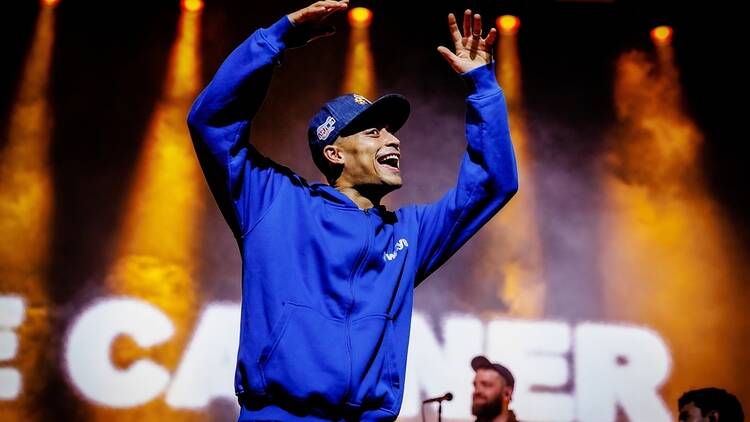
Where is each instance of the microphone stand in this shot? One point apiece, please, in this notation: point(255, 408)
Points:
point(440, 410)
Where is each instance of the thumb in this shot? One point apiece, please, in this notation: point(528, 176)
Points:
point(448, 56)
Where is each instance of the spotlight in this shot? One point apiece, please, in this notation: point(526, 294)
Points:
point(662, 35)
point(508, 24)
point(360, 17)
point(192, 5)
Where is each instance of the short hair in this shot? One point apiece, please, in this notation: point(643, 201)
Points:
point(714, 399)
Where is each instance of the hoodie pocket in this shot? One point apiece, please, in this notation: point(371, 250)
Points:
point(306, 360)
point(374, 364)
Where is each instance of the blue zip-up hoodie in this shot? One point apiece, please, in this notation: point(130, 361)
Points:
point(327, 287)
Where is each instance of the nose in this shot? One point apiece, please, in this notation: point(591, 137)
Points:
point(391, 140)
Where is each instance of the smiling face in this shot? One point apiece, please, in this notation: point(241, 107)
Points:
point(369, 160)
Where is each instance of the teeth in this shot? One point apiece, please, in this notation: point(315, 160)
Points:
point(384, 159)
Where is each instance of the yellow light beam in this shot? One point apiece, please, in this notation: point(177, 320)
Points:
point(666, 257)
point(513, 259)
point(159, 244)
point(359, 74)
point(26, 200)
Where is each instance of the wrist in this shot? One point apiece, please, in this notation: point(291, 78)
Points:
point(293, 18)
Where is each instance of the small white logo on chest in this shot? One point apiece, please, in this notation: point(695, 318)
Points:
point(401, 244)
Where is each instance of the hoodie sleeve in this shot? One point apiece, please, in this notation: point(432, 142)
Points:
point(487, 179)
point(242, 181)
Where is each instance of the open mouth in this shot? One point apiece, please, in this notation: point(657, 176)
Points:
point(390, 160)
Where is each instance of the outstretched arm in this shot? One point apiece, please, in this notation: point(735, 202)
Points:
point(488, 177)
point(242, 181)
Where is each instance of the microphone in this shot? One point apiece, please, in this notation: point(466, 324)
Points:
point(446, 397)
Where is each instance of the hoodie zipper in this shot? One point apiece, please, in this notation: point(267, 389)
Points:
point(354, 276)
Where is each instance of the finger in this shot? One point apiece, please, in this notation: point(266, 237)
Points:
point(467, 23)
point(491, 37)
point(476, 36)
point(453, 27)
point(477, 29)
point(333, 3)
point(447, 55)
point(328, 7)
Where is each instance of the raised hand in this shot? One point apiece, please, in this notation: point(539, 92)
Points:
point(318, 11)
point(471, 50)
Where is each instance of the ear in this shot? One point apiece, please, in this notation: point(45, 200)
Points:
point(507, 393)
point(333, 154)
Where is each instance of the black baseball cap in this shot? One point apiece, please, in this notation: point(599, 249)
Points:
point(481, 362)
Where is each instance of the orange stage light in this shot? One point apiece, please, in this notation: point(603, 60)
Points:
point(192, 5)
point(662, 35)
point(508, 24)
point(360, 17)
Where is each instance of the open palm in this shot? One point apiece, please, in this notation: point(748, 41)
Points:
point(471, 50)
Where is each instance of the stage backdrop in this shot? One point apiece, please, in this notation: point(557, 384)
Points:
point(613, 281)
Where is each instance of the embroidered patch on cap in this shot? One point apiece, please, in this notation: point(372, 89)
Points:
point(326, 128)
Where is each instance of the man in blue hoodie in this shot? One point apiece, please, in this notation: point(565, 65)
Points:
point(328, 272)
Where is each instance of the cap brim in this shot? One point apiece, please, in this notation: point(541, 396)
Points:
point(480, 362)
point(390, 110)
